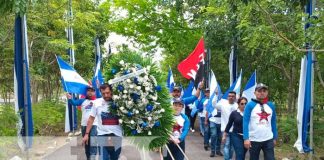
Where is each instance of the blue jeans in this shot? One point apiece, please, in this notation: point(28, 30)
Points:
point(175, 151)
point(215, 136)
point(92, 147)
point(267, 148)
point(238, 144)
point(202, 125)
point(228, 152)
point(110, 146)
point(206, 134)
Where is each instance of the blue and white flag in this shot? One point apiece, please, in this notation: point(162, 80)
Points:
point(72, 81)
point(188, 91)
point(22, 85)
point(236, 87)
point(97, 79)
point(249, 88)
point(305, 102)
point(170, 81)
point(213, 89)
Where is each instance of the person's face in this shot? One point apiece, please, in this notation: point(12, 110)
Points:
point(207, 94)
point(106, 94)
point(261, 94)
point(176, 93)
point(231, 98)
point(177, 108)
point(242, 104)
point(90, 93)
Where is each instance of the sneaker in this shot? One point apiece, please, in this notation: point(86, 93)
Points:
point(192, 130)
point(77, 133)
point(70, 134)
point(219, 153)
point(212, 154)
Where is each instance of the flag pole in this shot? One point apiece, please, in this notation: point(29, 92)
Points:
point(309, 10)
point(71, 53)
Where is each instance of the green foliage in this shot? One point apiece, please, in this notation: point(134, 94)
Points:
point(9, 119)
point(161, 133)
point(48, 118)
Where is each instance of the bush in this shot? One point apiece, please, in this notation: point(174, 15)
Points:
point(48, 118)
point(8, 119)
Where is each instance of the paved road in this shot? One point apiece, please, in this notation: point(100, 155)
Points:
point(74, 151)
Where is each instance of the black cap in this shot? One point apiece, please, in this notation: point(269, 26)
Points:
point(90, 87)
point(261, 86)
point(178, 100)
point(178, 88)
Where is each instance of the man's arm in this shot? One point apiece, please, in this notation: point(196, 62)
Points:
point(74, 102)
point(89, 126)
point(274, 121)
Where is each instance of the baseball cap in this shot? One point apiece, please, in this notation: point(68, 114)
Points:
point(261, 86)
point(178, 100)
point(177, 88)
point(90, 87)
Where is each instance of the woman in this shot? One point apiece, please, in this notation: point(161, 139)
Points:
point(236, 120)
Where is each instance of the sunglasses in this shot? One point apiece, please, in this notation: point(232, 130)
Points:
point(242, 103)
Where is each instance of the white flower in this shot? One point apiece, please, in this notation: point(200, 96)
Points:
point(115, 97)
point(124, 96)
point(133, 69)
point(149, 118)
point(121, 108)
point(144, 100)
point(147, 89)
point(136, 111)
point(128, 81)
point(162, 110)
point(121, 62)
point(149, 133)
point(140, 79)
point(146, 77)
point(131, 86)
point(148, 68)
point(125, 91)
point(132, 122)
point(130, 102)
point(138, 87)
point(120, 121)
point(154, 98)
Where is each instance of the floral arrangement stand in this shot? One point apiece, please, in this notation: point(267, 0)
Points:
point(141, 100)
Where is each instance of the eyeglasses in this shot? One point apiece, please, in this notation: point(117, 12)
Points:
point(242, 103)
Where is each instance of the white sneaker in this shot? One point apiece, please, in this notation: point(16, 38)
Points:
point(192, 130)
point(77, 133)
point(70, 134)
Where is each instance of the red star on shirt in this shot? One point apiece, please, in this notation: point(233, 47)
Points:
point(177, 127)
point(263, 115)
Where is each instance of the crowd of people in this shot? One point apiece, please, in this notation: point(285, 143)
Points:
point(235, 125)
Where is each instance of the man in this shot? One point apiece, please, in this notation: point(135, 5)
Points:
point(259, 125)
point(226, 108)
point(86, 106)
point(215, 129)
point(179, 131)
point(109, 130)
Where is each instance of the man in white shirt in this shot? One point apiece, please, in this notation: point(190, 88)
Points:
point(87, 104)
point(109, 130)
point(226, 108)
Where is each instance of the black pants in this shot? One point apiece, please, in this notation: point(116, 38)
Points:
point(175, 151)
point(192, 119)
point(267, 148)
